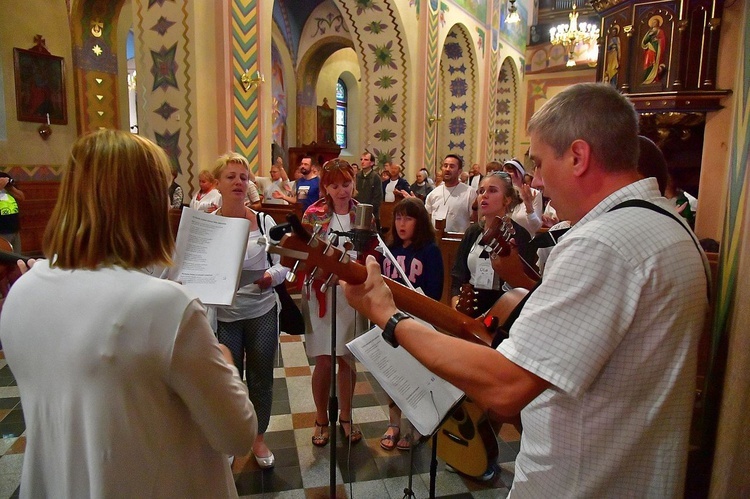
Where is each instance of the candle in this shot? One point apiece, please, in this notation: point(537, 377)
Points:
point(48, 118)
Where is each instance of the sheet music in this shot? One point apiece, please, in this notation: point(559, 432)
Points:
point(210, 250)
point(424, 397)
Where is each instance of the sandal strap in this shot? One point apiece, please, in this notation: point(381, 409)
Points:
point(321, 425)
point(394, 426)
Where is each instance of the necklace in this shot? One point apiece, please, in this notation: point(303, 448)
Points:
point(450, 193)
point(338, 221)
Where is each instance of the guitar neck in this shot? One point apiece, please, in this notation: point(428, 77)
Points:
point(438, 314)
point(318, 255)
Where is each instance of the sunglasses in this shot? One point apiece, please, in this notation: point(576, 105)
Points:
point(335, 164)
point(501, 174)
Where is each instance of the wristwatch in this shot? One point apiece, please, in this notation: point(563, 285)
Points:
point(389, 333)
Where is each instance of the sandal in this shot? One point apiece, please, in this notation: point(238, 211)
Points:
point(388, 442)
point(404, 443)
point(320, 439)
point(354, 436)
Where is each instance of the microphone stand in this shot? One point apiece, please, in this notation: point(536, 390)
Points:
point(333, 401)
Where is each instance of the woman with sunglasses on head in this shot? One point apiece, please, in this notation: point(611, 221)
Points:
point(249, 327)
point(496, 197)
point(412, 244)
point(125, 390)
point(334, 212)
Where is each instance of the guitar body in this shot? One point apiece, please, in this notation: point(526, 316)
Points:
point(466, 440)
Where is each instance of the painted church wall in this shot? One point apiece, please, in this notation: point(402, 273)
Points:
point(283, 71)
point(343, 64)
point(22, 150)
point(324, 21)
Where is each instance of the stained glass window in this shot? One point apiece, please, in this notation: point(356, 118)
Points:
point(341, 113)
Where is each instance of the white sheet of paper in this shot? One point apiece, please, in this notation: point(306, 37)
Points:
point(424, 397)
point(210, 250)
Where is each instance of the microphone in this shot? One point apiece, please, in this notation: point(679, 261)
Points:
point(362, 232)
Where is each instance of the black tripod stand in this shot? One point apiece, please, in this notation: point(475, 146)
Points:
point(333, 401)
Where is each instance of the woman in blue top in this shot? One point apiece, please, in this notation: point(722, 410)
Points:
point(412, 243)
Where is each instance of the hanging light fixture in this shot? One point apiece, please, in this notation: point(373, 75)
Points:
point(570, 35)
point(513, 16)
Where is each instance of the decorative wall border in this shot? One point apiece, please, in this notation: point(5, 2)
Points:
point(458, 77)
point(245, 57)
point(433, 79)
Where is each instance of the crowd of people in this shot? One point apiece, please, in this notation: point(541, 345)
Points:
point(599, 362)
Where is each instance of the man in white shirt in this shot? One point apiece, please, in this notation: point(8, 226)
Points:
point(601, 360)
point(278, 182)
point(451, 201)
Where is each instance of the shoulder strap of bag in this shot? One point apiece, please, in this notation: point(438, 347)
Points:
point(260, 219)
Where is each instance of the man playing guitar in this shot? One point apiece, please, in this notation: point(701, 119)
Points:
point(601, 360)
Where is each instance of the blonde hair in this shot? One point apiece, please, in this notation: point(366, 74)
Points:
point(207, 175)
point(113, 204)
point(230, 157)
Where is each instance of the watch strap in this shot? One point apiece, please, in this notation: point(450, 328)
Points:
point(389, 332)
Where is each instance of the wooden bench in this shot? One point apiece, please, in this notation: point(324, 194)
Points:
point(279, 211)
point(35, 212)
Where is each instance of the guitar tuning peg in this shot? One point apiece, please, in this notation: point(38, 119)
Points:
point(311, 276)
point(333, 240)
point(313, 242)
point(325, 285)
point(292, 275)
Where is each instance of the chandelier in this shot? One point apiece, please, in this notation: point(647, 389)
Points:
point(570, 35)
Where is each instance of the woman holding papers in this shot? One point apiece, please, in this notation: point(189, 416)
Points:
point(249, 327)
point(207, 198)
point(335, 214)
point(412, 244)
point(124, 387)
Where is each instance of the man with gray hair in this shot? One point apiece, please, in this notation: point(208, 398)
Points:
point(601, 359)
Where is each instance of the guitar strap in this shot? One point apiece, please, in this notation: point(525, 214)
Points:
point(504, 330)
point(550, 239)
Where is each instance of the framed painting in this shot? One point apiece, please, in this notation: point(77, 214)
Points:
point(40, 87)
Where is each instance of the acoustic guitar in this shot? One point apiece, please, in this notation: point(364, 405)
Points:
point(466, 440)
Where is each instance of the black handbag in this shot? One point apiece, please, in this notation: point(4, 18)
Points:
point(290, 317)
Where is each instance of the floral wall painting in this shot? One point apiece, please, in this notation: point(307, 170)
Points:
point(40, 86)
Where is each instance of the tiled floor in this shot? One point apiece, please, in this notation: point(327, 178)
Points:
point(302, 470)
